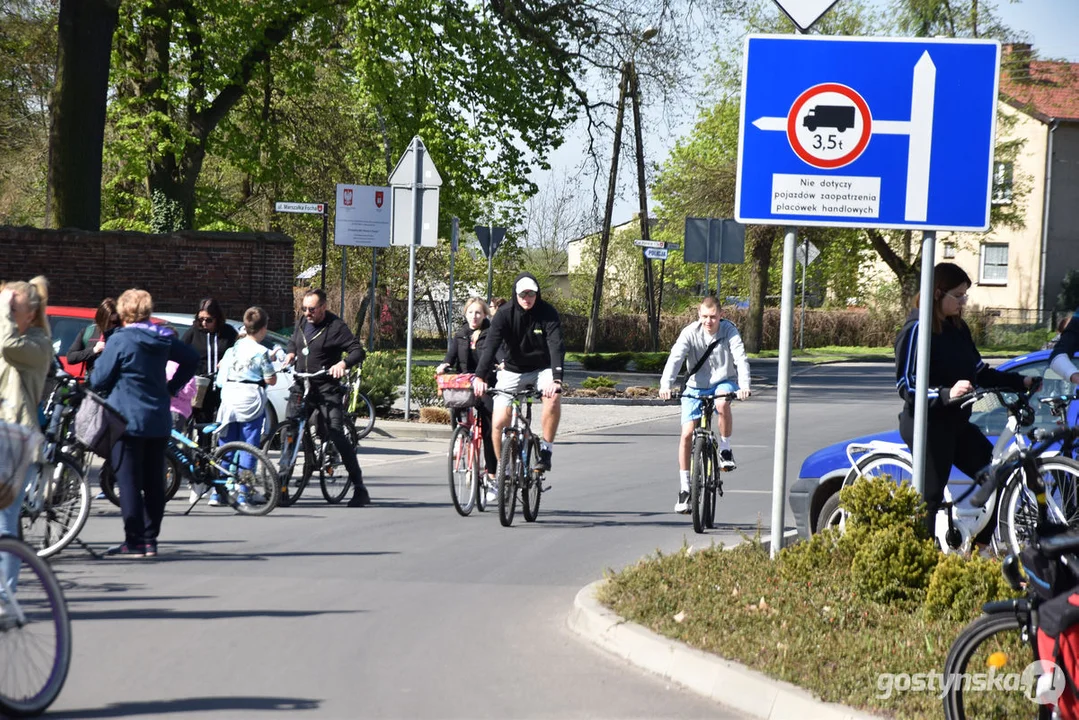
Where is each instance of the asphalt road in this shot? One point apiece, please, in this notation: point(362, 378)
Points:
point(406, 610)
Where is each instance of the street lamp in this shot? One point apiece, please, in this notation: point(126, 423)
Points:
point(628, 83)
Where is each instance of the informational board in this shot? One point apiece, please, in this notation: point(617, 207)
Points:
point(362, 217)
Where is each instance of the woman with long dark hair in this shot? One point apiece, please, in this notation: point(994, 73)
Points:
point(211, 336)
point(91, 342)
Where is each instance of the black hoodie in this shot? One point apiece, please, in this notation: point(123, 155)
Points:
point(210, 346)
point(532, 338)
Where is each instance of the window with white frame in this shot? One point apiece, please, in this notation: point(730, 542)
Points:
point(949, 250)
point(1002, 183)
point(994, 264)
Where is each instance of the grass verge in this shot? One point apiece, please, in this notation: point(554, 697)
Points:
point(813, 630)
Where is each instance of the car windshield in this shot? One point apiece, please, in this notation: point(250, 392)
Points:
point(990, 416)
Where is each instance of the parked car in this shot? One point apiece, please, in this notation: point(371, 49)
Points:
point(276, 394)
point(814, 498)
point(65, 324)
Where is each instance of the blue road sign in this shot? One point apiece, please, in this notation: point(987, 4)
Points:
point(867, 132)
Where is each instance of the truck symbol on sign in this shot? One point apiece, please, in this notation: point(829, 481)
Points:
point(839, 117)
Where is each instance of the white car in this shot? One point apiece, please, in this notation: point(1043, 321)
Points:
point(277, 394)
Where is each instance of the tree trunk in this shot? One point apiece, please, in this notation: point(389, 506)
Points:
point(77, 129)
point(761, 240)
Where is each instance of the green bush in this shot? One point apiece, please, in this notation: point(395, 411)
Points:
point(424, 387)
point(598, 381)
point(383, 374)
point(894, 565)
point(877, 503)
point(823, 552)
point(649, 362)
point(606, 361)
point(961, 585)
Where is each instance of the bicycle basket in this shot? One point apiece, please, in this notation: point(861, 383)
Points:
point(457, 390)
point(18, 446)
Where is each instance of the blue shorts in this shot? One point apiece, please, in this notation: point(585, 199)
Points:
point(691, 406)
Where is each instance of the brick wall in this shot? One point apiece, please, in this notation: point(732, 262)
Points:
point(239, 269)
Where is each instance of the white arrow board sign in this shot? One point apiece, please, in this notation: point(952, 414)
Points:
point(804, 13)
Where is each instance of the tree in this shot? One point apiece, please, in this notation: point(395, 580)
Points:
point(77, 131)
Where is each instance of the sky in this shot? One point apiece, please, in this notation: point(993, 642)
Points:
point(1052, 24)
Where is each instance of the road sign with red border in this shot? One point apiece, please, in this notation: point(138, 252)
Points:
point(829, 125)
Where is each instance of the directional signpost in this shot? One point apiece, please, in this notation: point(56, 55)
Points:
point(415, 184)
point(311, 209)
point(490, 240)
point(864, 132)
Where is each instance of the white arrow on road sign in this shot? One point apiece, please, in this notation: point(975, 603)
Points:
point(293, 207)
point(648, 243)
point(804, 13)
point(655, 253)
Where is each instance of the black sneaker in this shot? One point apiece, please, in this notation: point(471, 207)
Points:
point(544, 463)
point(360, 497)
point(128, 551)
point(682, 506)
point(726, 460)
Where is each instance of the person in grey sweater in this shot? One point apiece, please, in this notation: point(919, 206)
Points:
point(724, 370)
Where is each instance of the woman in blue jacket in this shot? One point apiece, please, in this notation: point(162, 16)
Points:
point(130, 372)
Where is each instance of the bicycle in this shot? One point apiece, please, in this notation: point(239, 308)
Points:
point(35, 635)
point(467, 473)
point(704, 466)
point(1007, 630)
point(518, 463)
point(319, 451)
point(248, 486)
point(56, 503)
point(360, 411)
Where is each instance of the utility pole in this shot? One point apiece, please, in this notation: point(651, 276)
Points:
point(642, 191)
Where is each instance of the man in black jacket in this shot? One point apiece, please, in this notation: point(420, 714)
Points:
point(531, 332)
point(318, 343)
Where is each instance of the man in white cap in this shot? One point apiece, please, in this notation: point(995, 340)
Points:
point(531, 330)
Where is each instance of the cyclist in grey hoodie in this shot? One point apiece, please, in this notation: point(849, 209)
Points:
point(725, 370)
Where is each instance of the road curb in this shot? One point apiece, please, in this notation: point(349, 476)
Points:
point(724, 681)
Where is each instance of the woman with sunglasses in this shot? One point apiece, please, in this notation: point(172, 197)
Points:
point(90, 343)
point(955, 369)
point(211, 336)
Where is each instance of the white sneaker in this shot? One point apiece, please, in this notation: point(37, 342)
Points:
point(215, 500)
point(197, 489)
point(492, 492)
point(682, 506)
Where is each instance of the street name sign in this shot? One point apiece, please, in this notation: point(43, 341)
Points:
point(305, 208)
point(648, 243)
point(655, 253)
point(867, 132)
point(362, 217)
point(803, 13)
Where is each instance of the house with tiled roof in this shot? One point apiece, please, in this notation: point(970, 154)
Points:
point(1019, 271)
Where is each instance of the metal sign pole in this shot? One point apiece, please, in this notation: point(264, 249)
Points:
point(325, 233)
point(455, 230)
point(783, 392)
point(372, 298)
point(490, 260)
point(417, 229)
point(921, 384)
point(802, 327)
point(344, 266)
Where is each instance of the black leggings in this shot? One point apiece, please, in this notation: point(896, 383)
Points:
point(949, 441)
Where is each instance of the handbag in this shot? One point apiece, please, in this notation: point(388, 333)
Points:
point(98, 426)
point(700, 363)
point(18, 446)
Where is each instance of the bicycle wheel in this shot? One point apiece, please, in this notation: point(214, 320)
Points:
point(1018, 512)
point(35, 636)
point(508, 464)
point(464, 479)
point(253, 489)
point(333, 477)
point(362, 416)
point(52, 527)
point(710, 485)
point(532, 483)
point(286, 436)
point(993, 641)
point(698, 476)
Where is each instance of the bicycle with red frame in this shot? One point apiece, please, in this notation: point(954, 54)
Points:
point(467, 475)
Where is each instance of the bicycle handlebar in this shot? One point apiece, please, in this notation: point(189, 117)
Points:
point(296, 373)
point(978, 393)
point(721, 396)
point(528, 392)
point(1043, 439)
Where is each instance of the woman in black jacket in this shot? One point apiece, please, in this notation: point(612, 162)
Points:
point(462, 356)
point(955, 368)
point(90, 343)
point(211, 336)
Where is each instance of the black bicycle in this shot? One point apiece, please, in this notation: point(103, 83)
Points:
point(308, 428)
point(518, 462)
point(704, 466)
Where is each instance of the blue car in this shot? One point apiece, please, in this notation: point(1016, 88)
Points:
point(814, 498)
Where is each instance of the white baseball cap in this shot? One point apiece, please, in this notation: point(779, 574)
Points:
point(526, 283)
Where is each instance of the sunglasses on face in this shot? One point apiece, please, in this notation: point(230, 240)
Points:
point(204, 320)
point(310, 310)
point(527, 294)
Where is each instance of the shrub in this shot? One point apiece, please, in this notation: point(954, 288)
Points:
point(383, 373)
point(822, 552)
point(894, 565)
point(961, 585)
point(606, 361)
point(877, 503)
point(599, 381)
point(424, 387)
point(649, 362)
